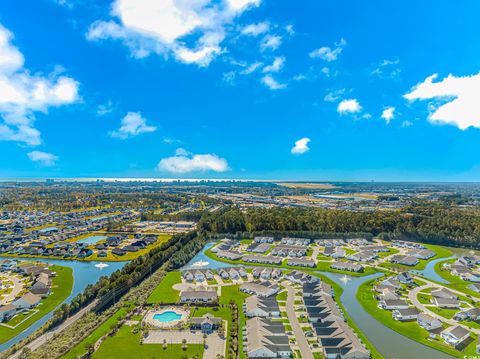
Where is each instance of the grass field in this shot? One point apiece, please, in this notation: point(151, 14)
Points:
point(80, 349)
point(126, 344)
point(365, 296)
point(164, 293)
point(62, 285)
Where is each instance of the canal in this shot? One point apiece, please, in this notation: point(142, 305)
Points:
point(387, 341)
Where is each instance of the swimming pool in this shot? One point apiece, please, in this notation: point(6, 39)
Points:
point(167, 316)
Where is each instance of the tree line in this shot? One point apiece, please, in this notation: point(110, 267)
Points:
point(426, 223)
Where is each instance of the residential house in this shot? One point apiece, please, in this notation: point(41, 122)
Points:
point(405, 314)
point(255, 306)
point(346, 266)
point(266, 339)
point(391, 304)
point(455, 335)
point(446, 302)
point(28, 301)
point(428, 322)
point(7, 312)
point(199, 295)
point(207, 323)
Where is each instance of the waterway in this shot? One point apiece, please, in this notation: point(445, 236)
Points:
point(202, 261)
point(84, 273)
point(387, 341)
point(92, 239)
point(429, 271)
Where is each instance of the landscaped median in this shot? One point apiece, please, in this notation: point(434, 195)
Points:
point(61, 288)
point(410, 329)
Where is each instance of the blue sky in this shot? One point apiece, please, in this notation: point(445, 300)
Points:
point(263, 89)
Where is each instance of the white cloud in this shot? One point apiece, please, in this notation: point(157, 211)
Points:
point(290, 30)
point(407, 123)
point(44, 158)
point(349, 106)
point(387, 69)
point(23, 94)
point(328, 54)
point(105, 108)
point(301, 146)
point(272, 84)
point(162, 27)
point(335, 95)
point(251, 68)
point(276, 66)
point(255, 29)
point(388, 114)
point(457, 99)
point(270, 42)
point(133, 124)
point(185, 162)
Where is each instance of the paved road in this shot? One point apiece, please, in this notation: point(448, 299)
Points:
point(17, 288)
point(297, 329)
point(35, 344)
point(413, 297)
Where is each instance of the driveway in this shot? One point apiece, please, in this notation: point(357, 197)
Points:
point(17, 288)
point(412, 296)
point(297, 329)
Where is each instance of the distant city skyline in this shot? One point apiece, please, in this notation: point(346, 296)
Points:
point(240, 89)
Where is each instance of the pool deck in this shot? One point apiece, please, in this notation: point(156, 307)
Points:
point(149, 317)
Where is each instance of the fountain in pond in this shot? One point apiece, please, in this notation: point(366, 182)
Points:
point(200, 264)
point(101, 265)
point(345, 279)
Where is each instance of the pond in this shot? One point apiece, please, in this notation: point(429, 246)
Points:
point(91, 239)
point(388, 342)
point(202, 261)
point(429, 271)
point(84, 273)
point(48, 229)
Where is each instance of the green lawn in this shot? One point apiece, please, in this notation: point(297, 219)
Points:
point(229, 293)
point(424, 298)
point(365, 296)
point(390, 253)
point(126, 344)
point(282, 296)
point(164, 293)
point(62, 285)
point(103, 329)
point(444, 312)
point(454, 282)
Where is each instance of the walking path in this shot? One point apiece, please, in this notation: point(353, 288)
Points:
point(42, 339)
point(297, 329)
